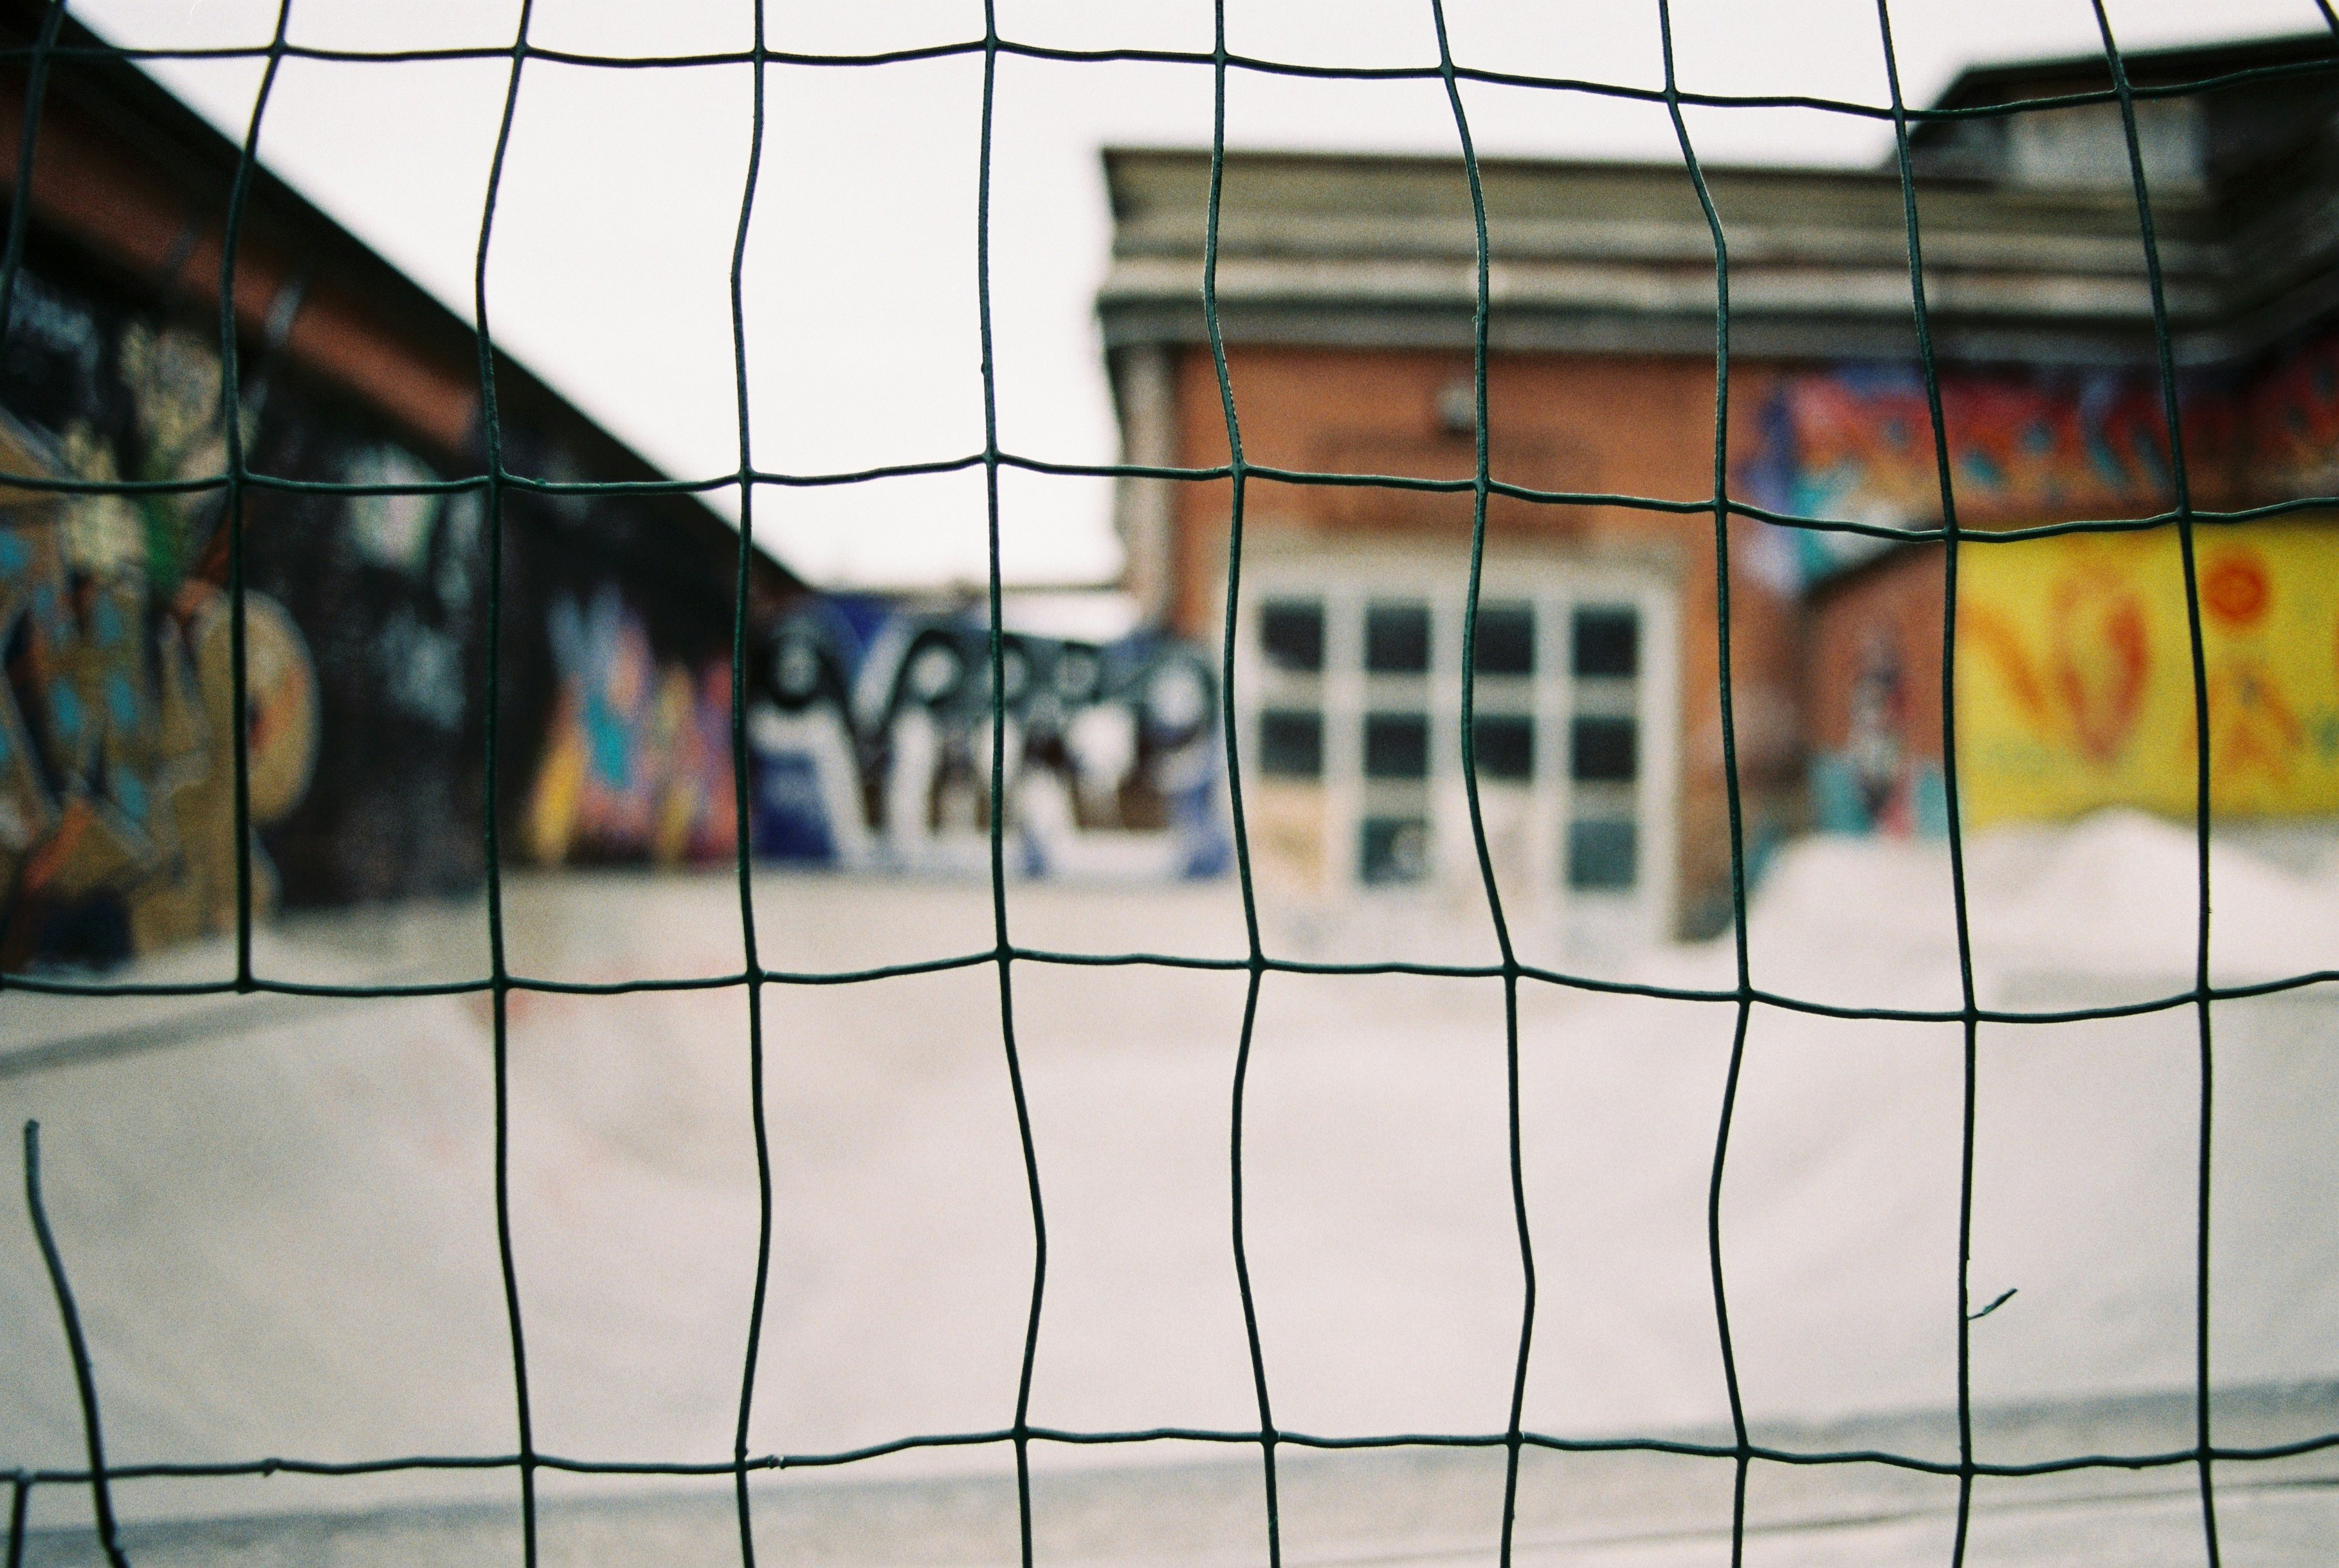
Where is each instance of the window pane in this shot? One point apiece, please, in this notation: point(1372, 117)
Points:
point(1607, 640)
point(1602, 855)
point(1505, 746)
point(1291, 635)
point(1396, 639)
point(1292, 743)
point(1397, 746)
point(1505, 639)
point(1605, 750)
point(1394, 849)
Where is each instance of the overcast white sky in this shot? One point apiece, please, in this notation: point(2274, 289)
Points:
point(609, 271)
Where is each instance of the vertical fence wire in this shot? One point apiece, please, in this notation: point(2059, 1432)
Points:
point(100, 1490)
point(1237, 479)
point(20, 1495)
point(496, 482)
point(1742, 1454)
point(238, 479)
point(20, 1502)
point(2171, 412)
point(491, 803)
point(1970, 1025)
point(741, 806)
point(1481, 310)
point(997, 810)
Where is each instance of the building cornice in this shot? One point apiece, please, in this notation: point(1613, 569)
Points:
point(1371, 251)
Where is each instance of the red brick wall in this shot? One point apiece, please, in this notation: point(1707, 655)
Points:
point(1613, 425)
point(1892, 607)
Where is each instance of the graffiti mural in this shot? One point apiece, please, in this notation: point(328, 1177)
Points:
point(369, 681)
point(636, 764)
point(116, 718)
point(2074, 689)
point(367, 616)
point(1856, 442)
point(1880, 780)
point(870, 735)
point(359, 625)
point(2293, 423)
point(2076, 684)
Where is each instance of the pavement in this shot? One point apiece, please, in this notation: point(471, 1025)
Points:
point(1412, 1508)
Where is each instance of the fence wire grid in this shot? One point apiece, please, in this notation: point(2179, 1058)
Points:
point(2203, 1455)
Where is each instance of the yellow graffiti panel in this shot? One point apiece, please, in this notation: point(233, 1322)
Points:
point(2075, 673)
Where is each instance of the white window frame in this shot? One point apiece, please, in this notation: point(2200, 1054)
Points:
point(1345, 575)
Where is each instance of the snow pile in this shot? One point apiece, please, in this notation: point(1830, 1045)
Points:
point(284, 1242)
point(2102, 911)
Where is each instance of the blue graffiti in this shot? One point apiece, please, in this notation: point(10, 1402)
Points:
point(871, 737)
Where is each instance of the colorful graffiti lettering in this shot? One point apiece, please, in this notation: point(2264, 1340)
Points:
point(872, 737)
point(637, 760)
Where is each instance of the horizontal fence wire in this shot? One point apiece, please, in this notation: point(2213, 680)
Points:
point(993, 47)
point(496, 481)
point(66, 985)
point(482, 483)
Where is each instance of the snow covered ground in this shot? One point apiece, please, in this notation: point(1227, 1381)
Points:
point(279, 1212)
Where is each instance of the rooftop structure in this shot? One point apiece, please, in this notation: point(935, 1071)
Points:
point(2028, 219)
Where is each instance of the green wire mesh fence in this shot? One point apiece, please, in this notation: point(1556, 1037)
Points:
point(495, 482)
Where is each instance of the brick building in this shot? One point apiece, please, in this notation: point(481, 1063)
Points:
point(1347, 286)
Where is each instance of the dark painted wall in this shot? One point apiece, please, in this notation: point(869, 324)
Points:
point(368, 619)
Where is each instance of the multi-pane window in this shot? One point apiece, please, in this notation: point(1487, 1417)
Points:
point(1350, 691)
point(1504, 661)
point(1291, 743)
point(1291, 635)
point(1505, 746)
point(1397, 638)
point(1604, 839)
point(1291, 731)
point(1392, 838)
